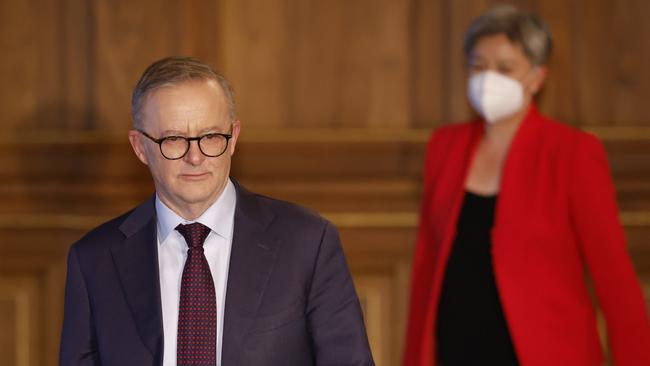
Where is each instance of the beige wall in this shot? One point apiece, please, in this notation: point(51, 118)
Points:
point(336, 98)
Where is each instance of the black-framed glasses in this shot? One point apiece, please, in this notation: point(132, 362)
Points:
point(175, 147)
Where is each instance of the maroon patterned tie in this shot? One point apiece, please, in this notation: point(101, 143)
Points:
point(197, 311)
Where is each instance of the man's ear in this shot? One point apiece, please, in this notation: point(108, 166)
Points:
point(236, 127)
point(135, 138)
point(539, 77)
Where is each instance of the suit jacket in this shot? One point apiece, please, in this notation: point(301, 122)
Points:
point(556, 214)
point(290, 299)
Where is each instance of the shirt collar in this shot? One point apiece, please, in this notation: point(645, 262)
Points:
point(218, 217)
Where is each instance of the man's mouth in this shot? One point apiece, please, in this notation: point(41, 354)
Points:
point(194, 176)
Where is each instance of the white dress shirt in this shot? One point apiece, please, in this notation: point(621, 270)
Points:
point(172, 253)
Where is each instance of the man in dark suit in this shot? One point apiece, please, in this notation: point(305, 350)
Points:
point(206, 272)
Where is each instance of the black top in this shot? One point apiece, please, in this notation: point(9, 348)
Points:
point(471, 327)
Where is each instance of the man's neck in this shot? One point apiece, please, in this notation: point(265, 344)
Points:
point(191, 211)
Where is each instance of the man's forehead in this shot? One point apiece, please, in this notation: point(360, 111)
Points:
point(200, 93)
point(177, 106)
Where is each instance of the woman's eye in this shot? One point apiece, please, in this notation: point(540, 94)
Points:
point(505, 70)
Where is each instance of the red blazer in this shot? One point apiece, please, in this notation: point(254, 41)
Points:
point(556, 214)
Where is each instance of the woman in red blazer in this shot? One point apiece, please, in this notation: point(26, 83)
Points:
point(516, 209)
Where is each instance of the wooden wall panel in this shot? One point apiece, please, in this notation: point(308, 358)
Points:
point(23, 296)
point(9, 340)
point(72, 63)
point(458, 15)
point(77, 71)
point(29, 69)
point(46, 68)
point(427, 76)
point(319, 64)
point(337, 100)
point(32, 272)
point(128, 37)
point(613, 80)
point(559, 93)
point(200, 30)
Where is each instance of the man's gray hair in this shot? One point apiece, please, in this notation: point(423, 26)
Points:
point(173, 70)
point(523, 29)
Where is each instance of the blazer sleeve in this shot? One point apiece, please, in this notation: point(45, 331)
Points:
point(78, 339)
point(595, 218)
point(334, 314)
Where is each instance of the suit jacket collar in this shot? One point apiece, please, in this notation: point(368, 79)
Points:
point(139, 217)
point(251, 262)
point(136, 261)
point(252, 259)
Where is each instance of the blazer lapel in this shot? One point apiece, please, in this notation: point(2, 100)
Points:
point(136, 260)
point(252, 259)
point(517, 177)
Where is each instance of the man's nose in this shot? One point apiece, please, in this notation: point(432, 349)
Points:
point(194, 155)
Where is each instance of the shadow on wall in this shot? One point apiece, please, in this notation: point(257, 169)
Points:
point(60, 163)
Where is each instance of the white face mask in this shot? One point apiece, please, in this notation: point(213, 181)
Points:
point(494, 96)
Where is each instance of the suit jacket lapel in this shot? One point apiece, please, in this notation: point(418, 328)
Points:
point(252, 259)
point(136, 260)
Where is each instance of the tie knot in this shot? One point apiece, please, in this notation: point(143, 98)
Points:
point(194, 233)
